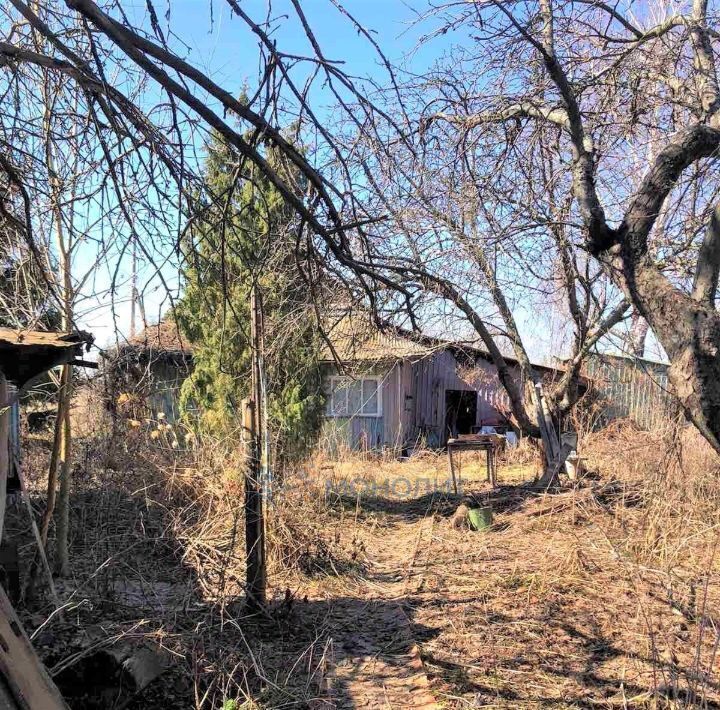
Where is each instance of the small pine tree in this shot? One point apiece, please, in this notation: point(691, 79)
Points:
point(240, 235)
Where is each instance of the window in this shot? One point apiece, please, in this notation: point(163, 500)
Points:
point(352, 397)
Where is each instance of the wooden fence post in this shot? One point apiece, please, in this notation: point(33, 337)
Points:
point(4, 448)
point(254, 514)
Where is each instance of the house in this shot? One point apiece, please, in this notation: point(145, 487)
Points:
point(149, 369)
point(385, 388)
point(393, 389)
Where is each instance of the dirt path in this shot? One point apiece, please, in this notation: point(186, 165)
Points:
point(376, 660)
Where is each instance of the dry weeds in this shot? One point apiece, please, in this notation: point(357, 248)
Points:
point(603, 594)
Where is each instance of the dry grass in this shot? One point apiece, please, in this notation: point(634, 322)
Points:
point(426, 472)
point(604, 594)
point(158, 557)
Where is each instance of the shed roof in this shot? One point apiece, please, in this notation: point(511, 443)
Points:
point(162, 341)
point(24, 354)
point(162, 336)
point(355, 338)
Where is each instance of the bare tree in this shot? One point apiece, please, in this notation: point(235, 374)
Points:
point(488, 248)
point(551, 87)
point(609, 82)
point(101, 145)
point(145, 141)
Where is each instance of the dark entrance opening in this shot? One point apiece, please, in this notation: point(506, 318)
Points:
point(460, 412)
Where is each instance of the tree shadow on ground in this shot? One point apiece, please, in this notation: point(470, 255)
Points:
point(410, 508)
point(128, 582)
point(404, 509)
point(131, 584)
point(524, 680)
point(375, 660)
point(131, 568)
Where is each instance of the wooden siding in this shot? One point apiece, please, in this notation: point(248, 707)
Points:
point(362, 432)
point(163, 392)
point(356, 433)
point(433, 376)
point(413, 403)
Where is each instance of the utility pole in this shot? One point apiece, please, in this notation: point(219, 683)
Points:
point(133, 290)
point(254, 423)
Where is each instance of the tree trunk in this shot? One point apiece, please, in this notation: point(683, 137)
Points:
point(689, 330)
point(62, 561)
point(638, 335)
point(52, 472)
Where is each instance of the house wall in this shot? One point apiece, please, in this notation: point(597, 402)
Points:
point(433, 376)
point(166, 379)
point(156, 383)
point(363, 432)
point(413, 403)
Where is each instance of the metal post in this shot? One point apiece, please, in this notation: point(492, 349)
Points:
point(254, 515)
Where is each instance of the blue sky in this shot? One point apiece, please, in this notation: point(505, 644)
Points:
point(222, 46)
point(205, 33)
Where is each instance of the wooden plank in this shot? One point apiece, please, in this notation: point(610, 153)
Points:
point(26, 677)
point(546, 431)
point(452, 469)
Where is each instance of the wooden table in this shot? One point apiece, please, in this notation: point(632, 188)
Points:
point(489, 443)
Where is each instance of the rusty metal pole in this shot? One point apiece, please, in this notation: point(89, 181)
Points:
point(254, 514)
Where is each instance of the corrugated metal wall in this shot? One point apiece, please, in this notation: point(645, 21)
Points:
point(633, 388)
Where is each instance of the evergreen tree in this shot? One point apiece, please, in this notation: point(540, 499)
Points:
point(239, 231)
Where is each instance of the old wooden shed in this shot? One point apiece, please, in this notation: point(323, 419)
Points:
point(392, 388)
point(151, 368)
point(384, 387)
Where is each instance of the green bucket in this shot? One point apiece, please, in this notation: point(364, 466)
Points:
point(480, 518)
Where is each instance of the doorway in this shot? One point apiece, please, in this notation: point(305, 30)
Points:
point(460, 412)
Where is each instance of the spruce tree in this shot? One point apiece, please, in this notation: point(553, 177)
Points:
point(240, 230)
